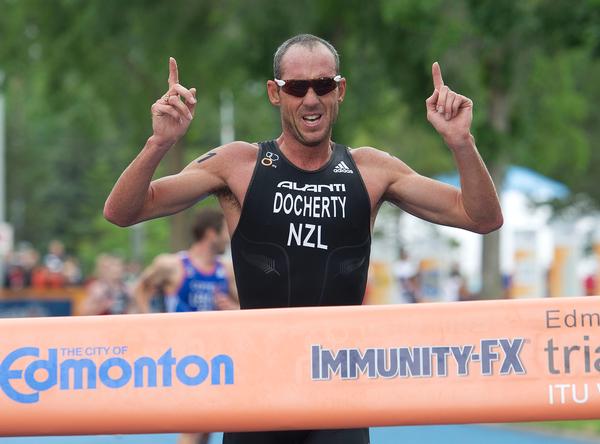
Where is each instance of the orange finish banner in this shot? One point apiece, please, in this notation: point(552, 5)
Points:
point(325, 367)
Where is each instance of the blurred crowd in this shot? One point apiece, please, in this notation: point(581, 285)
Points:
point(108, 288)
point(25, 267)
point(412, 282)
point(429, 280)
point(111, 286)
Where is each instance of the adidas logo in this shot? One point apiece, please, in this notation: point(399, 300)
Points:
point(342, 168)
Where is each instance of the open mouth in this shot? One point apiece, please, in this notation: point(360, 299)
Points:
point(312, 119)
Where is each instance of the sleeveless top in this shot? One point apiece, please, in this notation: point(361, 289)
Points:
point(197, 289)
point(303, 237)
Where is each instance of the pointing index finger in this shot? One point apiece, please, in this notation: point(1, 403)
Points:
point(436, 73)
point(173, 74)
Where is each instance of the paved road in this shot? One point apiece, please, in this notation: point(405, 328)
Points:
point(458, 434)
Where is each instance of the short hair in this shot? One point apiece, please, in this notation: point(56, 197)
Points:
point(205, 219)
point(306, 40)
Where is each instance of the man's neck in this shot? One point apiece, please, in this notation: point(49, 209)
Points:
point(303, 156)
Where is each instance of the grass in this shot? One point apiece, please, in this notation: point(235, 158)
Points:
point(588, 427)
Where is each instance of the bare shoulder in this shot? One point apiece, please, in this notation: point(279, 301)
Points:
point(226, 162)
point(366, 155)
point(368, 158)
point(379, 171)
point(240, 150)
point(166, 260)
point(223, 155)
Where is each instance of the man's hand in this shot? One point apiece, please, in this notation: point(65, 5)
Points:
point(224, 302)
point(173, 112)
point(449, 113)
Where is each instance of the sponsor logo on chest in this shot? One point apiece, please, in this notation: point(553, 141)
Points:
point(309, 202)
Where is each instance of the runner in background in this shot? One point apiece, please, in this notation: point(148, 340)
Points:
point(191, 280)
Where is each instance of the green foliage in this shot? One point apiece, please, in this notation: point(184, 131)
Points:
point(586, 428)
point(108, 238)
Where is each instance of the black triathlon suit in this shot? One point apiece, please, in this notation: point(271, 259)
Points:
point(303, 239)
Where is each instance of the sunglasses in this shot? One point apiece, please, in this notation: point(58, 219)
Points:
point(299, 88)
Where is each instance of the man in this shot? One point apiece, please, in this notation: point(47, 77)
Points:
point(301, 207)
point(107, 294)
point(192, 280)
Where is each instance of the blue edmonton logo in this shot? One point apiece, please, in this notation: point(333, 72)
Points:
point(75, 374)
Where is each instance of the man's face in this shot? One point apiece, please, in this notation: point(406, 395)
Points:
point(308, 119)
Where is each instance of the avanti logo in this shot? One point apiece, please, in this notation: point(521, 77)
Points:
point(40, 375)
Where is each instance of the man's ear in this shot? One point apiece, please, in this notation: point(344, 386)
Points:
point(273, 92)
point(341, 89)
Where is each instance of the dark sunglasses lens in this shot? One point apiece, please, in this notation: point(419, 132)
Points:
point(323, 86)
point(297, 88)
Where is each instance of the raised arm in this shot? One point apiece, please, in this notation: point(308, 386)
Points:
point(135, 197)
point(475, 206)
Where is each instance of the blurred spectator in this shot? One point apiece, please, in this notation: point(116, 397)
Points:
point(72, 272)
point(133, 270)
point(30, 259)
point(589, 284)
point(154, 291)
point(54, 260)
point(15, 275)
point(107, 293)
point(43, 278)
point(454, 286)
point(19, 267)
point(50, 273)
point(406, 273)
point(507, 281)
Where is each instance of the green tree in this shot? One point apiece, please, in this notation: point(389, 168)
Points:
point(529, 109)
